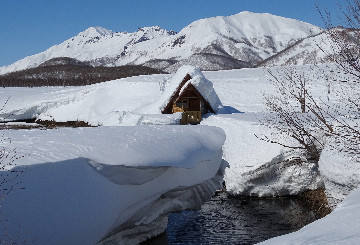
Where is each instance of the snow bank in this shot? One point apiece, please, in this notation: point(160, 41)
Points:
point(284, 175)
point(144, 146)
point(342, 226)
point(339, 170)
point(98, 104)
point(86, 184)
point(259, 168)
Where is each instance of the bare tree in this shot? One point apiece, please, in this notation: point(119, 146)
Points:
point(293, 86)
point(346, 41)
point(339, 119)
point(8, 174)
point(8, 158)
point(306, 126)
point(9, 181)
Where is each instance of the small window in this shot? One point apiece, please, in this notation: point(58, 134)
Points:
point(182, 104)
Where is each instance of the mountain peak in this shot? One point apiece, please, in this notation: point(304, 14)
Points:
point(155, 29)
point(246, 26)
point(246, 12)
point(262, 18)
point(96, 31)
point(150, 28)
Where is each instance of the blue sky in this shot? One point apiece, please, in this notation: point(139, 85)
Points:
point(31, 26)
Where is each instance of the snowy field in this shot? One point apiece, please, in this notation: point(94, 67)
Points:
point(134, 102)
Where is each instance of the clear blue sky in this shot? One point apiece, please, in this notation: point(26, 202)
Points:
point(30, 26)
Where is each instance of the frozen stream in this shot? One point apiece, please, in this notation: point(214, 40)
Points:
point(224, 220)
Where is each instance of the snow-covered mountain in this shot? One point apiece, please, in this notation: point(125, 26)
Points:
point(242, 40)
point(316, 49)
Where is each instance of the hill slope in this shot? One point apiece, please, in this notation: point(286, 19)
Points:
point(315, 49)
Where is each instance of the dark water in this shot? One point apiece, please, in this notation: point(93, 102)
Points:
point(225, 220)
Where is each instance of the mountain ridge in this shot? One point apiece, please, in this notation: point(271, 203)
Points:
point(246, 37)
point(317, 49)
point(64, 71)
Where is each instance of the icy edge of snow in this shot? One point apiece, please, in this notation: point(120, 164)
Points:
point(151, 220)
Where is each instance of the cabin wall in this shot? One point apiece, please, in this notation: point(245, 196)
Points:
point(187, 104)
point(188, 101)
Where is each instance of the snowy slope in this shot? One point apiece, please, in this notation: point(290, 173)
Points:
point(82, 184)
point(248, 37)
point(312, 50)
point(205, 62)
point(248, 33)
point(95, 44)
point(306, 51)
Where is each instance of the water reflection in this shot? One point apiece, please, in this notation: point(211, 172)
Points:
point(224, 220)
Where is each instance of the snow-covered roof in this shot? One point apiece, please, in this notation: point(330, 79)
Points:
point(198, 80)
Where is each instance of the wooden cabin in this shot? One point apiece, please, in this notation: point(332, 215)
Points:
point(188, 100)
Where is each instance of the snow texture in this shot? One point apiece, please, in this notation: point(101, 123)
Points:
point(315, 49)
point(87, 184)
point(107, 104)
point(340, 172)
point(135, 101)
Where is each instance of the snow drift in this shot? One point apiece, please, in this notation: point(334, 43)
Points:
point(85, 185)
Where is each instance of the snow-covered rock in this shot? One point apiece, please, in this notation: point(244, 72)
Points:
point(84, 185)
